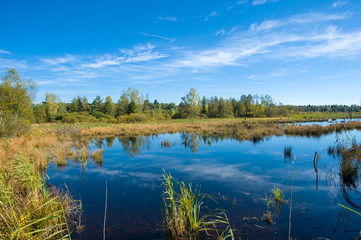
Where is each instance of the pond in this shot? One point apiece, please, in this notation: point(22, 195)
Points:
point(236, 174)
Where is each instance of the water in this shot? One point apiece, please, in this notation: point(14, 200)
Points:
point(237, 174)
point(326, 123)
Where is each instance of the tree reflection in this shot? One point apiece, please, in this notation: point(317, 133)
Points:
point(191, 141)
point(133, 145)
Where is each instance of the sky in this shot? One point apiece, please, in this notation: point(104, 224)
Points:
point(299, 52)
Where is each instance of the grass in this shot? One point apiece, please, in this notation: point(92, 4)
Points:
point(183, 213)
point(29, 208)
point(276, 198)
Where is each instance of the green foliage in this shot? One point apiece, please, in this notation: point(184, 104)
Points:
point(190, 106)
point(11, 126)
point(132, 108)
point(109, 108)
point(183, 213)
point(134, 117)
point(16, 111)
point(76, 117)
point(52, 103)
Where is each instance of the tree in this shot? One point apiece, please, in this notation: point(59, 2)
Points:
point(122, 105)
point(73, 107)
point(51, 106)
point(16, 110)
point(132, 108)
point(85, 105)
point(109, 107)
point(16, 95)
point(97, 104)
point(192, 104)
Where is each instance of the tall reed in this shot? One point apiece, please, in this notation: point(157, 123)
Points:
point(183, 213)
point(30, 208)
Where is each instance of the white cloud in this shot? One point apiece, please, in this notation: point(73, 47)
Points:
point(339, 3)
point(211, 15)
point(167, 18)
point(5, 52)
point(259, 2)
point(60, 60)
point(220, 32)
point(295, 38)
point(157, 36)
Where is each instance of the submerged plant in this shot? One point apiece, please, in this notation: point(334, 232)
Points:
point(183, 213)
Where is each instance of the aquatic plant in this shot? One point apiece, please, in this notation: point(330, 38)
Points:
point(183, 213)
point(276, 198)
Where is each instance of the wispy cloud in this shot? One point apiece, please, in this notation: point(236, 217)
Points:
point(167, 18)
point(220, 32)
point(157, 36)
point(210, 16)
point(339, 3)
point(295, 38)
point(261, 2)
point(5, 52)
point(60, 60)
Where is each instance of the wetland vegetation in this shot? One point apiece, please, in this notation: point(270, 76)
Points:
point(79, 134)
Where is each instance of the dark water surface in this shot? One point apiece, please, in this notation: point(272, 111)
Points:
point(237, 174)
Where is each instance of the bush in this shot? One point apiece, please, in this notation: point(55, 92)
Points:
point(134, 117)
point(102, 117)
point(76, 117)
point(11, 126)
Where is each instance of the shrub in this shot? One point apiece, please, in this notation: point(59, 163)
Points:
point(11, 126)
point(134, 117)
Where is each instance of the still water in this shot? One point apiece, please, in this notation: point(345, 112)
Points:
point(236, 174)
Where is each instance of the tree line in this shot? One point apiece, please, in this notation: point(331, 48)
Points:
point(17, 95)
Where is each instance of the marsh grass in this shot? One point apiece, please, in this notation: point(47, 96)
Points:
point(276, 199)
point(183, 213)
point(29, 209)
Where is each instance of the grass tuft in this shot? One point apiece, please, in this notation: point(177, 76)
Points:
point(183, 213)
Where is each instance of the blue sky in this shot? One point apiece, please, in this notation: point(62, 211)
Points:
point(299, 52)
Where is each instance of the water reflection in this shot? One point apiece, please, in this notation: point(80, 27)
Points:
point(348, 153)
point(236, 174)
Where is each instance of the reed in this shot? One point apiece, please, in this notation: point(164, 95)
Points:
point(183, 213)
point(29, 208)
